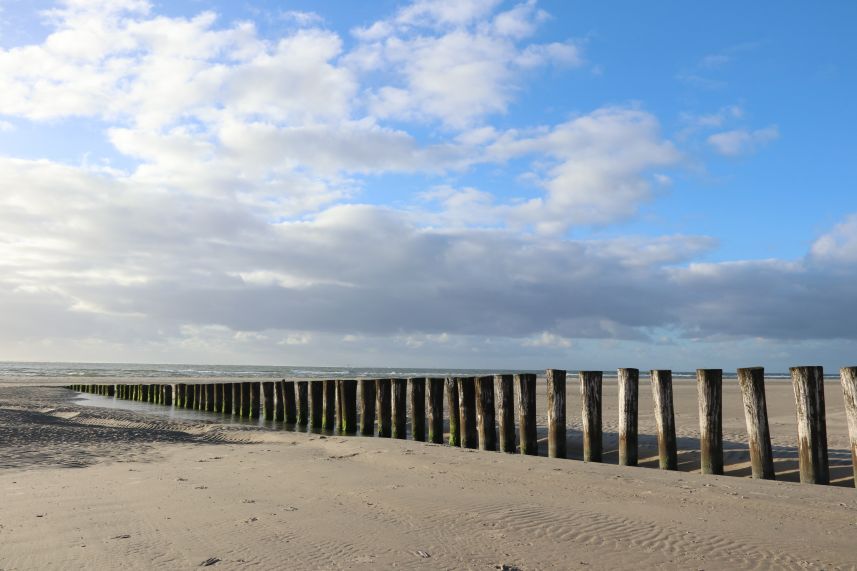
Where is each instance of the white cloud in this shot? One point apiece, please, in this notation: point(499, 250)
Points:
point(839, 245)
point(547, 339)
point(741, 141)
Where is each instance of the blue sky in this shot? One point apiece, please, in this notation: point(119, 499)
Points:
point(475, 183)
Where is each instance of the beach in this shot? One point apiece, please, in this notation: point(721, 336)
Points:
point(93, 487)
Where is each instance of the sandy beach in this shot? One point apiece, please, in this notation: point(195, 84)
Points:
point(92, 487)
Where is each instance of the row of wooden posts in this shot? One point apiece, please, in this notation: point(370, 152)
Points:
point(474, 420)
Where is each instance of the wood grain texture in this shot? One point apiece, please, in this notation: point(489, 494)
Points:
point(400, 408)
point(268, 398)
point(808, 384)
point(486, 425)
point(467, 412)
point(662, 395)
point(418, 408)
point(504, 391)
point(451, 384)
point(752, 381)
point(384, 407)
point(303, 403)
point(590, 413)
point(709, 387)
point(435, 410)
point(525, 385)
point(629, 401)
point(316, 404)
point(556, 413)
point(848, 378)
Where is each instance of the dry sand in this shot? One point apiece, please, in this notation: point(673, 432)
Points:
point(95, 488)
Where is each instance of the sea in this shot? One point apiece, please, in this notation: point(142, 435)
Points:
point(36, 370)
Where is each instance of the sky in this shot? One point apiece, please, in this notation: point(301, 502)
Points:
point(469, 183)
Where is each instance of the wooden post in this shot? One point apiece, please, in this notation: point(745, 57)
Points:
point(228, 398)
point(199, 404)
point(383, 404)
point(316, 403)
point(556, 413)
point(348, 395)
point(662, 395)
point(338, 423)
point(210, 393)
point(435, 410)
point(181, 394)
point(368, 389)
point(144, 394)
point(752, 381)
point(505, 390)
point(152, 393)
point(280, 412)
point(808, 383)
point(256, 402)
point(329, 405)
point(709, 388)
point(168, 395)
point(525, 384)
point(218, 397)
point(628, 407)
point(590, 404)
point(467, 412)
point(303, 403)
point(454, 412)
point(486, 425)
point(246, 396)
point(268, 397)
point(289, 402)
point(111, 390)
point(848, 378)
point(400, 408)
point(418, 408)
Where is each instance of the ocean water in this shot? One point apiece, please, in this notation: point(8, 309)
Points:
point(35, 370)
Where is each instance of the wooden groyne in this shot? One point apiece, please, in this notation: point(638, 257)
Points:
point(482, 412)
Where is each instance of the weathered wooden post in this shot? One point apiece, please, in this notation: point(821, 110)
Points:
point(368, 388)
point(210, 394)
point(590, 404)
point(246, 396)
point(144, 394)
point(188, 396)
point(848, 378)
point(752, 381)
point(316, 403)
point(486, 425)
point(505, 390)
point(454, 412)
point(228, 396)
point(384, 406)
point(168, 395)
point(525, 384)
point(348, 395)
point(628, 407)
point(256, 395)
point(181, 394)
point(219, 388)
point(111, 390)
point(268, 398)
point(709, 387)
point(662, 395)
point(808, 383)
point(418, 408)
point(400, 408)
point(153, 391)
point(435, 410)
point(280, 411)
point(329, 405)
point(199, 404)
point(467, 412)
point(556, 413)
point(339, 423)
point(303, 403)
point(290, 404)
